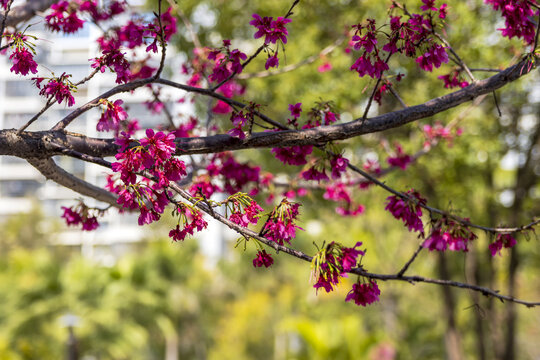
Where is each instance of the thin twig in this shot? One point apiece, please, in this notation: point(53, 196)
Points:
point(374, 91)
point(396, 95)
point(187, 23)
point(8, 8)
point(460, 61)
point(168, 114)
point(162, 43)
point(408, 263)
point(50, 102)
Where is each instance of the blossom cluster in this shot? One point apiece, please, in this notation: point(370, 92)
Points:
point(263, 259)
point(241, 118)
point(280, 226)
point(451, 235)
point(22, 54)
point(112, 116)
point(401, 159)
point(272, 30)
point(506, 241)
point(154, 155)
point(243, 209)
point(80, 215)
point(408, 209)
point(63, 18)
point(59, 88)
point(364, 293)
point(227, 62)
point(332, 262)
point(191, 220)
point(518, 15)
point(408, 38)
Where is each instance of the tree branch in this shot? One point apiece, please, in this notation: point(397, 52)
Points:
point(51, 171)
point(26, 11)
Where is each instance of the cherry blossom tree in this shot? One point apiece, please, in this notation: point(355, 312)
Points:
point(153, 170)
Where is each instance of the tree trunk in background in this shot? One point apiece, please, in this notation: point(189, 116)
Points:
point(525, 180)
point(452, 340)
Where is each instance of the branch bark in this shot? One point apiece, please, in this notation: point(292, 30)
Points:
point(49, 169)
point(25, 12)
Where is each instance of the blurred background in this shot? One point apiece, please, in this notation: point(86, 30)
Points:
point(128, 292)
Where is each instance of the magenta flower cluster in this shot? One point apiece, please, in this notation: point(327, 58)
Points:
point(227, 62)
point(23, 61)
point(401, 159)
point(191, 219)
point(80, 215)
point(506, 241)
point(407, 209)
point(364, 293)
point(63, 18)
point(59, 88)
point(263, 259)
point(333, 262)
point(450, 235)
point(112, 117)
point(518, 18)
point(155, 155)
point(272, 30)
point(280, 226)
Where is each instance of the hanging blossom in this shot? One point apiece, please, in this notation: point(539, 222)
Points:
point(155, 155)
point(59, 88)
point(272, 30)
point(506, 241)
point(113, 59)
point(293, 155)
point(190, 220)
point(401, 159)
point(64, 18)
point(243, 209)
point(518, 16)
point(98, 14)
point(82, 215)
point(453, 80)
point(227, 62)
point(370, 62)
point(434, 56)
point(280, 226)
point(22, 54)
point(407, 210)
point(451, 235)
point(263, 259)
point(364, 293)
point(339, 192)
point(113, 115)
point(332, 263)
point(241, 118)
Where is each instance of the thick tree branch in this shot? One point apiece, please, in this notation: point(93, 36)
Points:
point(51, 171)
